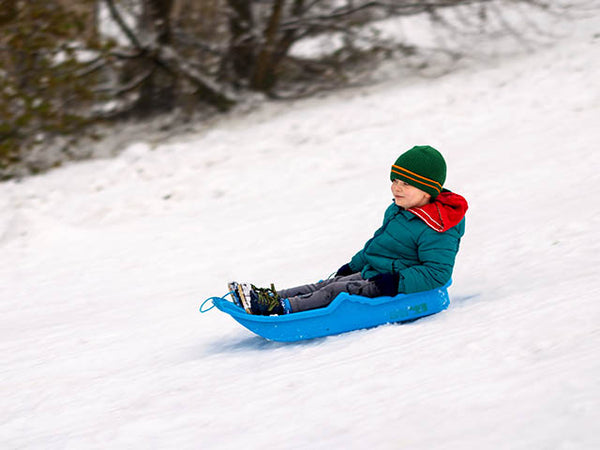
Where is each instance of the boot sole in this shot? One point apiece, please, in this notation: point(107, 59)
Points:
point(244, 293)
point(233, 288)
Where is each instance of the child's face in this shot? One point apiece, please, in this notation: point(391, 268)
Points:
point(407, 196)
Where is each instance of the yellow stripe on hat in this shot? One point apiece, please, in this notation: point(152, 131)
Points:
point(416, 177)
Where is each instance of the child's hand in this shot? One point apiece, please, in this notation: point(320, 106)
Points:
point(387, 283)
point(344, 271)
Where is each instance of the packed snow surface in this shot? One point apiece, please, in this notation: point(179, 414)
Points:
point(103, 266)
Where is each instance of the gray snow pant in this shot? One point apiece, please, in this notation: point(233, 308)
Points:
point(321, 294)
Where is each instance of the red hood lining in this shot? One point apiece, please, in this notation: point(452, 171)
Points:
point(445, 212)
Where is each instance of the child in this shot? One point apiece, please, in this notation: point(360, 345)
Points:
point(414, 250)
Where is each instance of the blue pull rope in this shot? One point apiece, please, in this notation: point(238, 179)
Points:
point(210, 299)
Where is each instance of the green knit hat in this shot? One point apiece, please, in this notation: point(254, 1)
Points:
point(422, 167)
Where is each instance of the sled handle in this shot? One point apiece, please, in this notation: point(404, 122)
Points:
point(203, 309)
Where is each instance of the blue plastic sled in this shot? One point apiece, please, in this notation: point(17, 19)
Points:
point(345, 313)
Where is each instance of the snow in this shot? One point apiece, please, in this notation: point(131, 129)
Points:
point(104, 265)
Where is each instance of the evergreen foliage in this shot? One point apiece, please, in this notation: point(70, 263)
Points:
point(43, 90)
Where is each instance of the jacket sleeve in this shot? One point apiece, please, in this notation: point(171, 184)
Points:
point(437, 253)
point(358, 261)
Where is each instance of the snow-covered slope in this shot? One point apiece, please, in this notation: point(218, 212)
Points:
point(103, 265)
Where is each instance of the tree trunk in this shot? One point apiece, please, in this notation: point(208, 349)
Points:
point(242, 52)
point(264, 75)
point(157, 92)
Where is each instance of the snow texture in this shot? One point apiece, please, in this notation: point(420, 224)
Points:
point(104, 265)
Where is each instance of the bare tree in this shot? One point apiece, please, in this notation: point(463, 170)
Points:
point(57, 68)
point(254, 52)
point(263, 32)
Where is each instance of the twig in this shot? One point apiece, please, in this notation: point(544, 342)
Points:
point(132, 85)
point(116, 15)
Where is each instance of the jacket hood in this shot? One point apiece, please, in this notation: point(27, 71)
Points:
point(445, 212)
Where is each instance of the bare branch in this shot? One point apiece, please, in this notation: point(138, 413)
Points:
point(172, 61)
point(120, 54)
point(401, 8)
point(116, 15)
point(131, 86)
point(167, 57)
point(93, 66)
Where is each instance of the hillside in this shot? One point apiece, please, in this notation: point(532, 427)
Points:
point(103, 265)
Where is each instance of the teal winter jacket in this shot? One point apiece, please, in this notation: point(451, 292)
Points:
point(420, 244)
